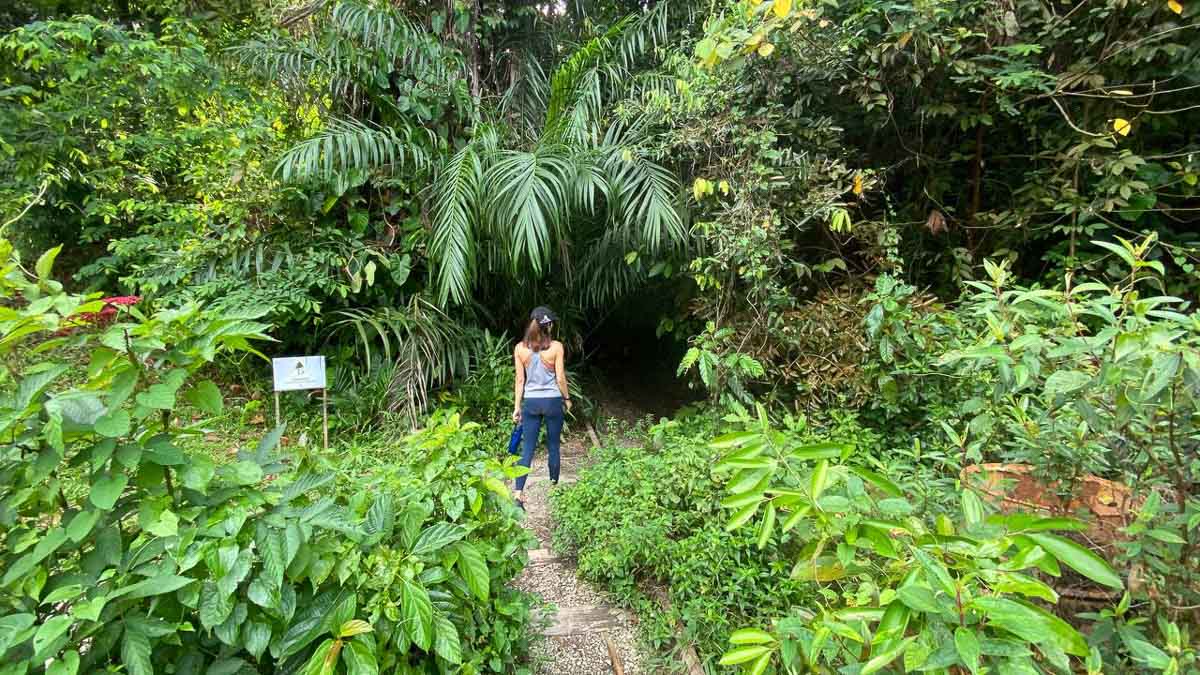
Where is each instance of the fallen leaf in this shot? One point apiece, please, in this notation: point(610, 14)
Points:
point(1122, 126)
point(1175, 6)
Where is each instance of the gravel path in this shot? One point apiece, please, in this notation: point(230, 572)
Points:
point(582, 624)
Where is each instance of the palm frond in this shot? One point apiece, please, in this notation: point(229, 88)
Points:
point(600, 64)
point(423, 345)
point(642, 192)
point(567, 82)
point(347, 145)
point(528, 198)
point(455, 216)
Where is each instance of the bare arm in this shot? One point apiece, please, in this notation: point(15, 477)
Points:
point(519, 386)
point(560, 373)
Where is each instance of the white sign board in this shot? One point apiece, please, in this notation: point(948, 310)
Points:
point(299, 372)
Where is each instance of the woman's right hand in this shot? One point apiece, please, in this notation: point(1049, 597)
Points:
point(516, 416)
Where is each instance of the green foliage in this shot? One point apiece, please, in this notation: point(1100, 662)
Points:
point(892, 585)
point(121, 548)
point(723, 371)
point(650, 516)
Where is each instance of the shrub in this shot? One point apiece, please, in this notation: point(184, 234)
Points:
point(119, 548)
point(891, 585)
point(651, 516)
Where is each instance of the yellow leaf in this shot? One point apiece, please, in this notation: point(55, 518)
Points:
point(858, 184)
point(1122, 126)
point(1175, 6)
point(1122, 92)
point(754, 40)
point(182, 110)
point(627, 155)
point(724, 187)
point(782, 7)
point(103, 124)
point(700, 188)
point(766, 49)
point(904, 38)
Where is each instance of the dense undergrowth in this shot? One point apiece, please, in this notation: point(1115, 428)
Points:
point(930, 263)
point(122, 547)
point(862, 538)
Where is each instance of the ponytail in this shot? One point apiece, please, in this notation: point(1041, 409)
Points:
point(537, 336)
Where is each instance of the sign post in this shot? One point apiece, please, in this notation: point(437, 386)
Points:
point(295, 373)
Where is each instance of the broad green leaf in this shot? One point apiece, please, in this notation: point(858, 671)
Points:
point(256, 636)
point(89, 610)
point(1014, 582)
point(81, 524)
point(1147, 653)
point(818, 480)
point(734, 440)
point(967, 645)
point(359, 658)
point(48, 633)
point(324, 659)
point(159, 585)
point(1166, 536)
point(167, 525)
point(46, 546)
point(1032, 624)
point(215, 606)
point(13, 629)
point(474, 570)
point(817, 451)
point(972, 507)
point(935, 571)
point(107, 489)
point(1078, 558)
point(417, 611)
point(888, 487)
point(206, 396)
point(113, 424)
point(760, 666)
point(1066, 381)
point(919, 598)
point(45, 263)
point(767, 526)
point(159, 396)
point(880, 661)
point(67, 665)
point(63, 593)
point(437, 536)
point(246, 472)
point(271, 550)
point(742, 655)
point(135, 652)
point(738, 519)
point(445, 639)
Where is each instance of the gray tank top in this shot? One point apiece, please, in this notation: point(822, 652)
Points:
point(540, 381)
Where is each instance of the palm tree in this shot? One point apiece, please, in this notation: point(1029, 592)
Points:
point(572, 178)
point(547, 172)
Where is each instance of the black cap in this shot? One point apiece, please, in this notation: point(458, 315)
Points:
point(543, 315)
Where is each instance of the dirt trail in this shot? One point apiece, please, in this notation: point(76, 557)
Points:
point(585, 634)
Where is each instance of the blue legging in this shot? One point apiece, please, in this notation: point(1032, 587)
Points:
point(535, 411)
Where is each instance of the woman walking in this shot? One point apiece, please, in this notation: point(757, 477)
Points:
point(540, 393)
